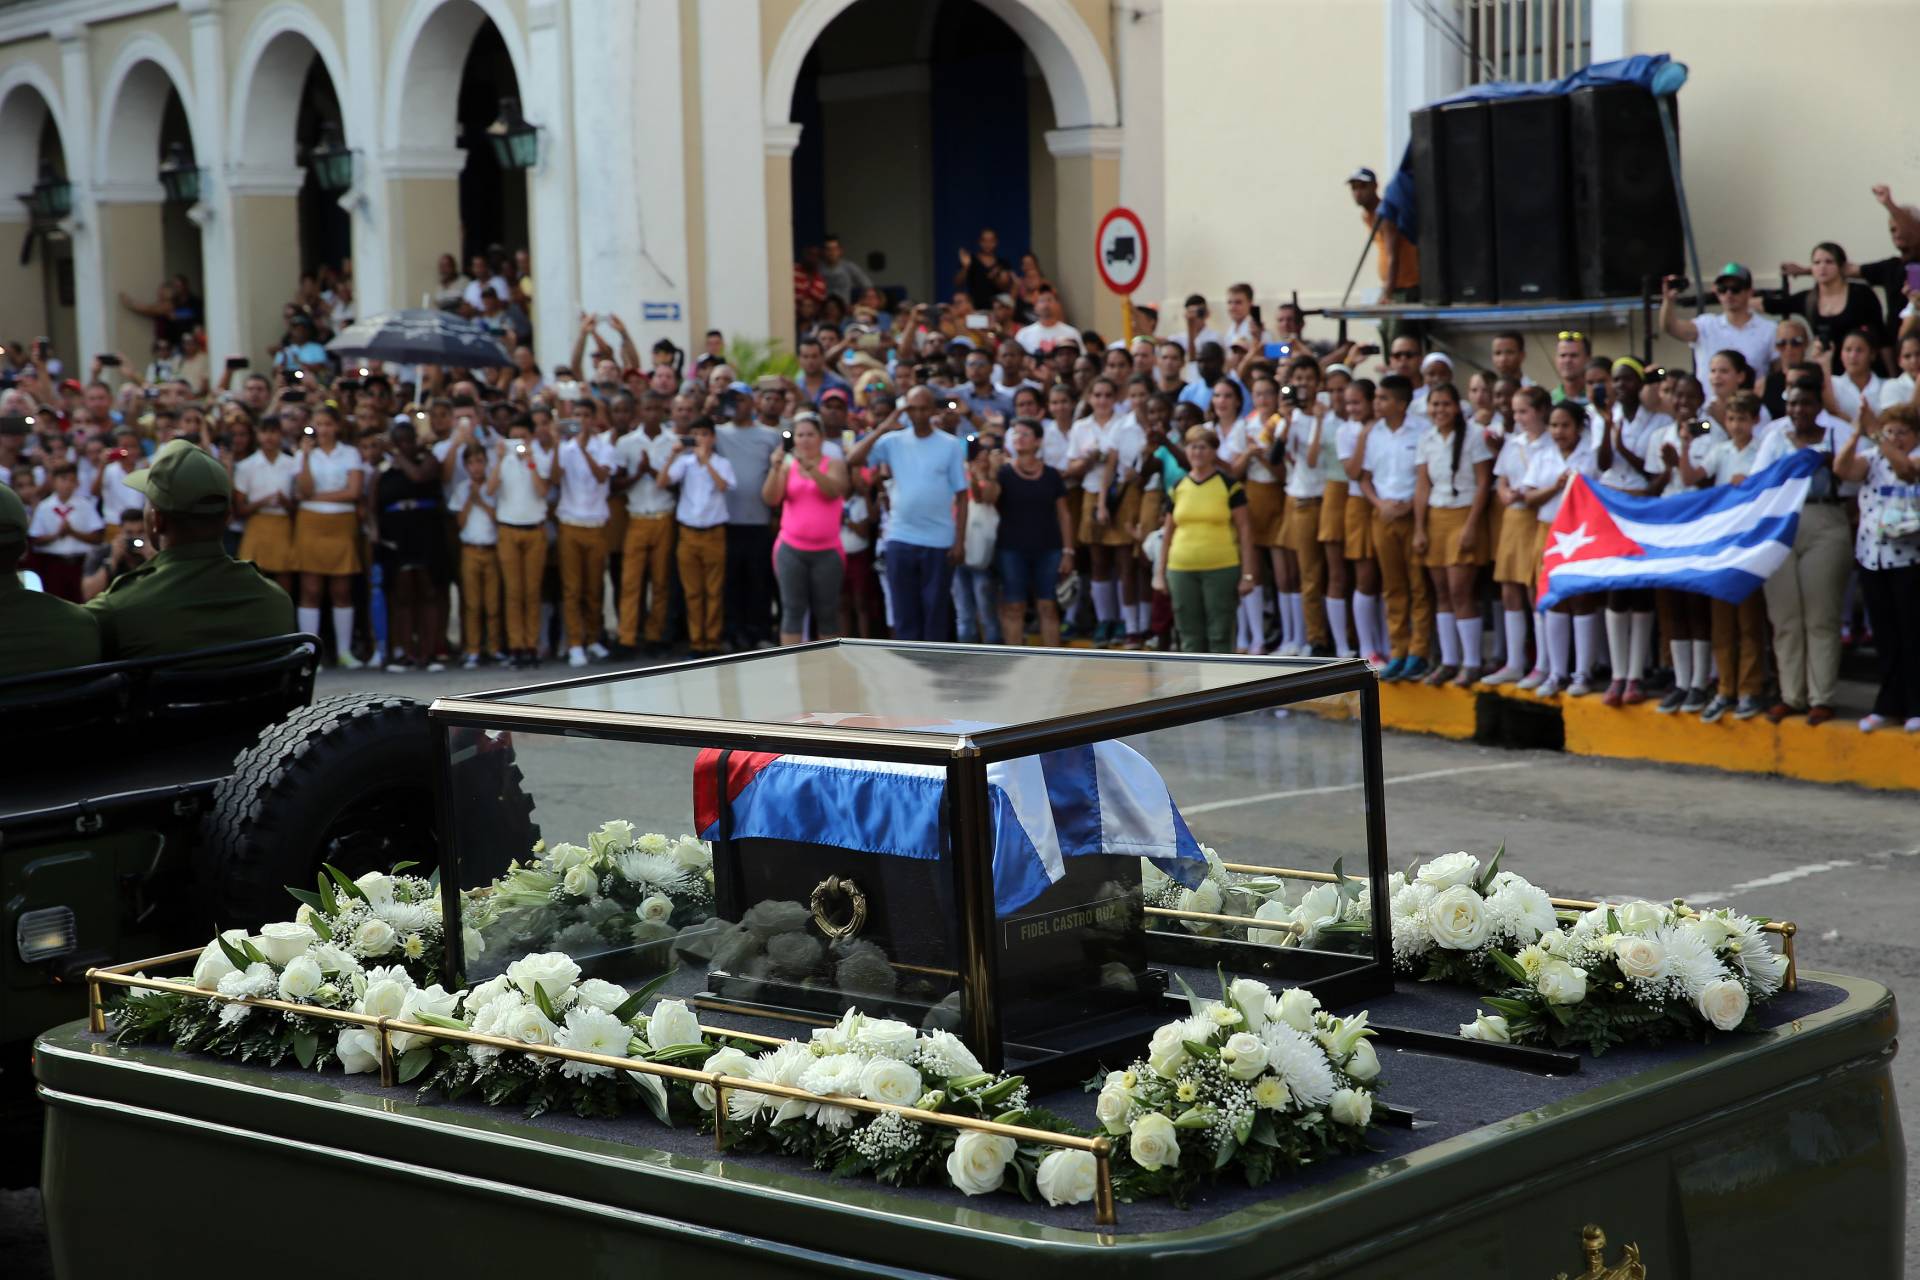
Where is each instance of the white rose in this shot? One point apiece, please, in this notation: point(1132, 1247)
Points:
point(602, 994)
point(1364, 1065)
point(1715, 927)
point(885, 1036)
point(1351, 1107)
point(1639, 917)
point(528, 1025)
point(1111, 1108)
point(1244, 1055)
point(1396, 881)
point(374, 938)
point(890, 1080)
point(1206, 899)
point(726, 1062)
point(472, 943)
point(563, 857)
point(978, 1162)
point(434, 1000)
point(487, 992)
point(1561, 983)
point(614, 834)
point(1272, 909)
point(213, 964)
point(1640, 957)
point(1066, 1177)
point(280, 943)
point(656, 909)
point(1167, 1051)
point(1723, 1003)
point(1249, 995)
point(384, 999)
point(358, 1049)
point(1450, 870)
point(552, 971)
point(672, 1023)
point(581, 881)
point(301, 978)
point(1490, 1027)
point(947, 1054)
point(1297, 1007)
point(692, 854)
point(378, 888)
point(1153, 1142)
point(1458, 919)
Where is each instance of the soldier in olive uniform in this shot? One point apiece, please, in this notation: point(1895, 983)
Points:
point(38, 632)
point(192, 595)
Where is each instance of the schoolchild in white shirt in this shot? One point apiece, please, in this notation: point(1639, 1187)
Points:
point(479, 558)
point(1544, 486)
point(1350, 447)
point(1622, 459)
point(518, 480)
point(1387, 472)
point(1515, 568)
point(1739, 631)
point(1449, 530)
point(1677, 455)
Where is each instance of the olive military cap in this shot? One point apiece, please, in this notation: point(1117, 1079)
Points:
point(184, 479)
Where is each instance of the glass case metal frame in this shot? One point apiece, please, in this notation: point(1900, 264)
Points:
point(964, 757)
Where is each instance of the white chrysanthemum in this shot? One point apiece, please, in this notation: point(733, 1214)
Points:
point(835, 1074)
point(405, 917)
point(1747, 951)
point(652, 842)
point(653, 872)
point(1520, 911)
point(1690, 959)
point(783, 1065)
point(257, 979)
point(1411, 934)
point(591, 1030)
point(1300, 1064)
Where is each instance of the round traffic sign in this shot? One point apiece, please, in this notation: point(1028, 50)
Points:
point(1120, 250)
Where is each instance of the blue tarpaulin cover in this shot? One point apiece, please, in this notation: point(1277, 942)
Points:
point(1398, 204)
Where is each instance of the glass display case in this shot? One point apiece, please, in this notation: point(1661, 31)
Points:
point(1033, 848)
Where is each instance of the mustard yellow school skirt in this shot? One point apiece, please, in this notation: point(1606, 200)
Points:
point(1118, 530)
point(1514, 561)
point(1333, 512)
point(1302, 533)
point(1266, 513)
point(1541, 538)
point(1444, 527)
point(1359, 540)
point(268, 542)
point(327, 543)
point(1152, 511)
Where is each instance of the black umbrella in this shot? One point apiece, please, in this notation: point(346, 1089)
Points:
point(421, 337)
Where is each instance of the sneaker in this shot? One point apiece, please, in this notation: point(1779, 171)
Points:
point(1676, 699)
point(1579, 687)
point(1416, 667)
point(436, 666)
point(347, 662)
point(1715, 709)
point(1746, 709)
point(1868, 723)
point(1551, 687)
point(1505, 675)
point(1616, 694)
point(576, 657)
point(1532, 680)
point(470, 663)
point(1378, 661)
point(1697, 700)
point(1394, 670)
point(398, 667)
point(1634, 694)
point(1468, 677)
point(597, 651)
point(501, 658)
point(1819, 714)
point(1913, 724)
point(1440, 675)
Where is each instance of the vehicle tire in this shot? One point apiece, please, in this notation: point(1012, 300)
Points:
point(347, 781)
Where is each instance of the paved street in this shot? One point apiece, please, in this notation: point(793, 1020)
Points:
point(1842, 862)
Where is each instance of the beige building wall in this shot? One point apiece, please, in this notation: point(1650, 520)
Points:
point(266, 236)
point(133, 249)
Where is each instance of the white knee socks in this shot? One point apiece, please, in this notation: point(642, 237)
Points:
point(1618, 624)
point(1702, 663)
point(1559, 641)
point(1366, 623)
point(1470, 633)
point(1586, 633)
point(1106, 601)
point(309, 621)
point(1639, 645)
point(1682, 663)
point(1446, 625)
point(342, 630)
point(1517, 640)
point(1337, 620)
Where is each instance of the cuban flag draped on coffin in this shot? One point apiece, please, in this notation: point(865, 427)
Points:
point(1721, 542)
point(1101, 799)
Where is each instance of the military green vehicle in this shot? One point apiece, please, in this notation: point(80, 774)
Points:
point(978, 842)
point(143, 801)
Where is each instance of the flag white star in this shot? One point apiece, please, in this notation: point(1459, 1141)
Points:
point(1568, 545)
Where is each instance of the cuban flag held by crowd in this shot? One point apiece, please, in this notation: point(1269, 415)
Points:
point(1721, 542)
point(1102, 799)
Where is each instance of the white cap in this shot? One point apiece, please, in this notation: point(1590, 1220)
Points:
point(1433, 358)
point(1334, 368)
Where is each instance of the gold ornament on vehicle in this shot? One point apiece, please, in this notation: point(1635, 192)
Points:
point(1594, 1242)
point(833, 887)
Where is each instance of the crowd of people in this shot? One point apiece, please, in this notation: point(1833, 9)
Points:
point(987, 470)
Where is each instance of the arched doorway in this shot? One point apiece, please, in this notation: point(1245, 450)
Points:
point(147, 239)
point(454, 65)
point(287, 102)
point(36, 262)
point(894, 103)
point(921, 124)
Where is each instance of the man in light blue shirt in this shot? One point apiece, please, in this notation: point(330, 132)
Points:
point(925, 538)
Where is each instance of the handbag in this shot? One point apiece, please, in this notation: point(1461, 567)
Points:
point(983, 531)
point(1899, 516)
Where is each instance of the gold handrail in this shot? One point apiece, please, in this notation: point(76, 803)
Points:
point(1785, 928)
point(1214, 917)
point(1100, 1148)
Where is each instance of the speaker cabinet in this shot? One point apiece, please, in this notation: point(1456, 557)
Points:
point(1424, 143)
point(1532, 216)
point(1453, 179)
point(1626, 215)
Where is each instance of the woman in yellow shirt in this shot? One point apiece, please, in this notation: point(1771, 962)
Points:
point(1209, 555)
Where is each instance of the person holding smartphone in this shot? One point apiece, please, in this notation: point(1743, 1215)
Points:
point(326, 534)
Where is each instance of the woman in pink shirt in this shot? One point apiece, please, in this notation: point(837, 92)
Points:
point(810, 489)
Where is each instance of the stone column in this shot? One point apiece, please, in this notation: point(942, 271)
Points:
point(263, 230)
point(550, 186)
point(1086, 166)
point(734, 196)
point(220, 271)
point(780, 142)
point(374, 285)
point(93, 307)
point(421, 201)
